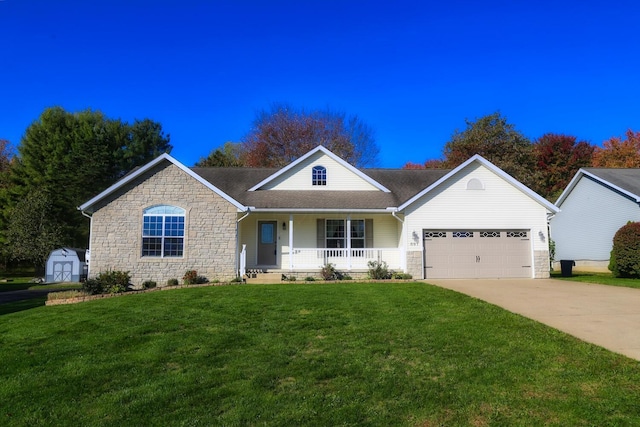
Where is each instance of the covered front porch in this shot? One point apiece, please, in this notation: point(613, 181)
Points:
point(295, 243)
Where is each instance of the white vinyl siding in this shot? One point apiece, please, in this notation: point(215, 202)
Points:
point(589, 218)
point(339, 178)
point(499, 206)
point(386, 232)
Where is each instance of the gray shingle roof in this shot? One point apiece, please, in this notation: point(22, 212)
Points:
point(403, 184)
point(626, 179)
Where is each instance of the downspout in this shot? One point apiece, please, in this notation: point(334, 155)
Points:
point(403, 256)
point(247, 212)
point(90, 235)
point(393, 214)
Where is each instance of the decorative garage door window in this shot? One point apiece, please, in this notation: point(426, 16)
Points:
point(489, 234)
point(462, 234)
point(163, 231)
point(519, 234)
point(435, 234)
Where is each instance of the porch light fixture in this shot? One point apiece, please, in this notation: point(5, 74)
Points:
point(284, 226)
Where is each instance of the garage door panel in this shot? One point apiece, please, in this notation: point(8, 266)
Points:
point(477, 254)
point(441, 253)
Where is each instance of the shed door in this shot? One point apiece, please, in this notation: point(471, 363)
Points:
point(470, 254)
point(62, 271)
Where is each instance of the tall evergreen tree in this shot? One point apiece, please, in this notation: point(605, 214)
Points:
point(73, 156)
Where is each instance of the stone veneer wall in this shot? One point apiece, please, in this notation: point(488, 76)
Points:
point(414, 264)
point(210, 233)
point(541, 264)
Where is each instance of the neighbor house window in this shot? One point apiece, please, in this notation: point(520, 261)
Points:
point(163, 231)
point(319, 175)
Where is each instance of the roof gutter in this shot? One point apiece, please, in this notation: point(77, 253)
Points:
point(328, 210)
point(393, 214)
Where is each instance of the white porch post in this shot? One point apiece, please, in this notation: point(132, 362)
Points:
point(290, 242)
point(348, 234)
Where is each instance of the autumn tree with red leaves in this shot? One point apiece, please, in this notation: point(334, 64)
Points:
point(558, 157)
point(429, 164)
point(619, 153)
point(283, 134)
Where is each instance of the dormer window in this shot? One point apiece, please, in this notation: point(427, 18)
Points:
point(319, 175)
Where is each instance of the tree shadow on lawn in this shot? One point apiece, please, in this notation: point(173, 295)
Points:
point(26, 304)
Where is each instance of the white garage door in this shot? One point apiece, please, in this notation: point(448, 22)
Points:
point(471, 254)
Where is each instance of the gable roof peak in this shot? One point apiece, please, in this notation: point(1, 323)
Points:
point(477, 158)
point(623, 180)
point(85, 207)
point(329, 154)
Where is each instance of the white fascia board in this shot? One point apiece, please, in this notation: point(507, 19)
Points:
point(596, 178)
point(328, 153)
point(313, 211)
point(570, 186)
point(150, 165)
point(478, 158)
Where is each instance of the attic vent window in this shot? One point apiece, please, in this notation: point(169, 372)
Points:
point(319, 175)
point(475, 184)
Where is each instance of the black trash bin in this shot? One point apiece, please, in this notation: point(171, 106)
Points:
point(566, 266)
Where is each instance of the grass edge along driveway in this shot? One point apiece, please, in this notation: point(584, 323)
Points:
point(374, 354)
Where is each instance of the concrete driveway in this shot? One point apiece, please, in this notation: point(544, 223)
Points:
point(13, 296)
point(608, 316)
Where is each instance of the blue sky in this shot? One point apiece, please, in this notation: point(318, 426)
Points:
point(414, 71)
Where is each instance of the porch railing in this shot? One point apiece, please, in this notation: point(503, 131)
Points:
point(345, 259)
point(243, 261)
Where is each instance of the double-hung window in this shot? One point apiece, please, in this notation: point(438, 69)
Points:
point(163, 231)
point(336, 236)
point(357, 233)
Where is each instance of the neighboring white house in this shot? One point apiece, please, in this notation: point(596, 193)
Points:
point(595, 204)
point(470, 222)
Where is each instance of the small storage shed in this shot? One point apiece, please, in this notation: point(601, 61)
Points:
point(67, 265)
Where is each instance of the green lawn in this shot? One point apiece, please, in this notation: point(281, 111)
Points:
point(598, 278)
point(304, 354)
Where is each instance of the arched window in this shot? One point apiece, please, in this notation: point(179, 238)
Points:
point(319, 175)
point(163, 231)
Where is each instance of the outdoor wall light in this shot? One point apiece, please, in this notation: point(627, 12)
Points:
point(284, 226)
